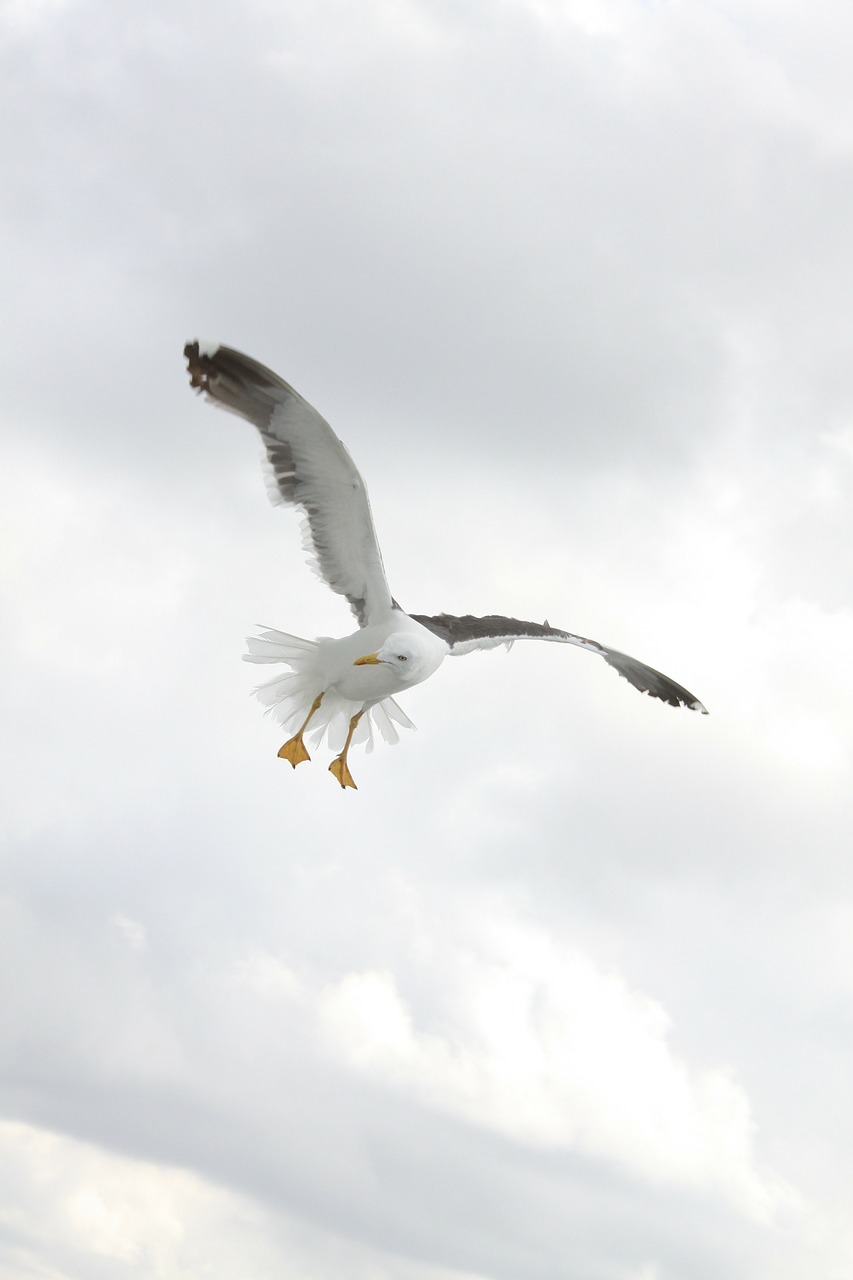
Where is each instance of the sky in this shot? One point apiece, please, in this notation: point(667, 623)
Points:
point(564, 991)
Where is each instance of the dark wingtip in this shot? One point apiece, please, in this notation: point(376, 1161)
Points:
point(200, 366)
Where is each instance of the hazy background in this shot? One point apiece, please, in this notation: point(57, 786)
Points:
point(565, 990)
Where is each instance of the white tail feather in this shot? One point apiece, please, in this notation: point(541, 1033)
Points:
point(395, 712)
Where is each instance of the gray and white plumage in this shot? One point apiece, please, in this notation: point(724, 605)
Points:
point(464, 635)
point(311, 469)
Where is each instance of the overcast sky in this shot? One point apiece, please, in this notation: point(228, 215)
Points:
point(565, 990)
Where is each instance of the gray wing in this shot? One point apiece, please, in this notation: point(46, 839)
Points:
point(466, 634)
point(310, 469)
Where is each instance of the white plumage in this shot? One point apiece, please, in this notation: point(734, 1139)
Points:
point(327, 664)
point(343, 688)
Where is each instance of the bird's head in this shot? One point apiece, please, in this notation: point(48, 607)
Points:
point(405, 653)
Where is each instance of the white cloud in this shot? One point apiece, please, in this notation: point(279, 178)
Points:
point(77, 1203)
point(71, 1210)
point(548, 1050)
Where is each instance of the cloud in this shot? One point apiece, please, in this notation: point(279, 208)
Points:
point(547, 1050)
point(561, 991)
point(103, 1215)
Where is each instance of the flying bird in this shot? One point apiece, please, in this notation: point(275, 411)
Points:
point(345, 687)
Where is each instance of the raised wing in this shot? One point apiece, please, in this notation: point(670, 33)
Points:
point(463, 635)
point(310, 469)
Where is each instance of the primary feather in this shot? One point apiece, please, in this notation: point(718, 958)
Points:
point(310, 468)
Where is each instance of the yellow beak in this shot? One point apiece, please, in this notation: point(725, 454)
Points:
point(368, 658)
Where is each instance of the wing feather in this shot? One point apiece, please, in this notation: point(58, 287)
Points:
point(465, 634)
point(308, 467)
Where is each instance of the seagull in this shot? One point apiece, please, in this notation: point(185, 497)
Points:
point(344, 687)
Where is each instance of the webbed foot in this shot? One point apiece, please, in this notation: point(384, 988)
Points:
point(340, 769)
point(294, 750)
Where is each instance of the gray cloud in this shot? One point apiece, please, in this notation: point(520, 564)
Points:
point(573, 284)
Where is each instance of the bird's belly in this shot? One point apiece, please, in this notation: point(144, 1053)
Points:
point(369, 682)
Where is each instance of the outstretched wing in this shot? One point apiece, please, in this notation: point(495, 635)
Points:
point(463, 635)
point(310, 468)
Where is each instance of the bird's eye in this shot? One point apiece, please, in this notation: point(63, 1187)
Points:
point(401, 657)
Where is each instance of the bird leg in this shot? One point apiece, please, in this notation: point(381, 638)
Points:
point(339, 765)
point(294, 749)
